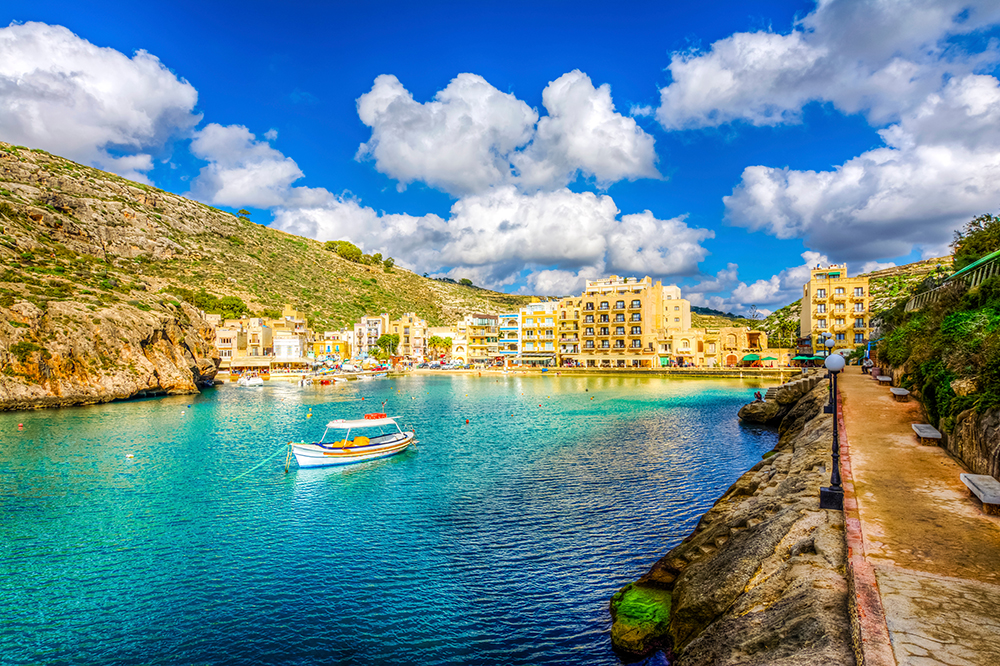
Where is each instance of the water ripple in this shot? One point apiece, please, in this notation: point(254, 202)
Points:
point(499, 541)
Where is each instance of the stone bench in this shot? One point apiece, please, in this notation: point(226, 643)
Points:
point(884, 380)
point(986, 488)
point(900, 394)
point(926, 432)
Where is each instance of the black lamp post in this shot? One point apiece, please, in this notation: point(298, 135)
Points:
point(833, 496)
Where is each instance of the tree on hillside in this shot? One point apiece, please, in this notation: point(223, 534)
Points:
point(466, 282)
point(979, 237)
point(754, 316)
point(243, 214)
point(388, 264)
point(345, 250)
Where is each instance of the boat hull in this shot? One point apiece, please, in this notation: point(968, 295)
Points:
point(316, 455)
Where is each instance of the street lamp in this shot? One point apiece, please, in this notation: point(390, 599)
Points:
point(833, 496)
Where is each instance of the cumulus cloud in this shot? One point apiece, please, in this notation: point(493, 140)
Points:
point(459, 142)
point(243, 171)
point(939, 167)
point(879, 57)
point(472, 137)
point(92, 104)
point(778, 290)
point(557, 239)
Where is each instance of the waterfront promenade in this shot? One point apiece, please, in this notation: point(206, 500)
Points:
point(925, 560)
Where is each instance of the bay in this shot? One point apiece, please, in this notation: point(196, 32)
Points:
point(494, 541)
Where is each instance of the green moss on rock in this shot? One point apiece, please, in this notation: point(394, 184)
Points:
point(641, 618)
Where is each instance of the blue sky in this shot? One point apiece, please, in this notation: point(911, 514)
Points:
point(530, 146)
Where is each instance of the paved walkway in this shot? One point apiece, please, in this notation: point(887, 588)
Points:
point(931, 557)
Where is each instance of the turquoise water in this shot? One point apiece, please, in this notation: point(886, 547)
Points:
point(499, 541)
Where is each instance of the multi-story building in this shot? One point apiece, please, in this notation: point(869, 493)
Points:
point(837, 304)
point(538, 333)
point(568, 331)
point(483, 343)
point(509, 337)
point(367, 332)
point(334, 345)
point(412, 332)
point(460, 341)
point(624, 322)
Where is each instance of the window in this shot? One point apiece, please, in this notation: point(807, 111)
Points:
point(588, 319)
point(685, 344)
point(840, 306)
point(603, 305)
point(589, 344)
point(603, 330)
point(840, 336)
point(859, 322)
point(588, 306)
point(676, 308)
point(637, 303)
point(859, 337)
point(619, 317)
point(839, 321)
point(619, 330)
point(821, 293)
point(605, 344)
point(711, 347)
point(636, 344)
point(637, 330)
point(821, 323)
point(619, 305)
point(821, 307)
point(588, 331)
point(838, 290)
point(636, 316)
point(619, 344)
point(677, 318)
point(859, 291)
point(859, 307)
point(604, 319)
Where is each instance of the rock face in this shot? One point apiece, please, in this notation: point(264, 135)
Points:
point(67, 355)
point(767, 412)
point(762, 578)
point(975, 441)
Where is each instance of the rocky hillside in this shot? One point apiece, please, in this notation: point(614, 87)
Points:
point(90, 264)
point(890, 286)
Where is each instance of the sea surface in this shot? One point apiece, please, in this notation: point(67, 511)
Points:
point(498, 539)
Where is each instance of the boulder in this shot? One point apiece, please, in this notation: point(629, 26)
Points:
point(766, 412)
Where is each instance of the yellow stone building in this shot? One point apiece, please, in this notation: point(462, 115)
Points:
point(538, 333)
point(837, 304)
point(625, 322)
point(412, 332)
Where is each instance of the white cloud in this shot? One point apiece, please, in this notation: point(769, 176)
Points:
point(778, 290)
point(939, 168)
point(243, 171)
point(880, 57)
point(472, 137)
point(555, 238)
point(459, 142)
point(91, 104)
point(872, 266)
point(583, 133)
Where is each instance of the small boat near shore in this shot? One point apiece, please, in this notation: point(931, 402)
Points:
point(250, 381)
point(380, 437)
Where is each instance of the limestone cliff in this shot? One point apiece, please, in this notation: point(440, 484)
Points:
point(67, 355)
point(762, 580)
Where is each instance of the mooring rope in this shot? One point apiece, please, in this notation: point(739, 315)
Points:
point(280, 449)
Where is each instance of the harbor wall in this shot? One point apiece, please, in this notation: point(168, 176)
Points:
point(763, 577)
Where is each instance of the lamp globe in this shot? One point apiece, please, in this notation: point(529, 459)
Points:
point(830, 342)
point(834, 362)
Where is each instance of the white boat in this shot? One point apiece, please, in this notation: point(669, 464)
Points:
point(383, 438)
point(249, 381)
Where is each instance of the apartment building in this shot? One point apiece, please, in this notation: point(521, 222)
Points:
point(367, 332)
point(509, 337)
point(460, 341)
point(722, 347)
point(568, 330)
point(412, 332)
point(624, 321)
point(837, 304)
point(482, 332)
point(538, 333)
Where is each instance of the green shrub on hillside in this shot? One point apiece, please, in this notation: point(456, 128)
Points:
point(978, 238)
point(345, 250)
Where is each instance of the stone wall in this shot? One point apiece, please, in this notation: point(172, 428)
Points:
point(762, 579)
